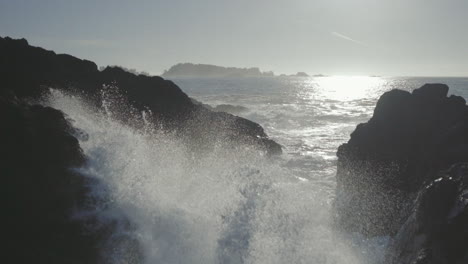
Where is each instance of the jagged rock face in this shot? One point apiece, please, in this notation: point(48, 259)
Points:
point(41, 193)
point(436, 232)
point(26, 70)
point(410, 137)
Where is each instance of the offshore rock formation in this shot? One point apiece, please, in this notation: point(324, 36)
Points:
point(388, 175)
point(233, 109)
point(301, 74)
point(207, 70)
point(27, 70)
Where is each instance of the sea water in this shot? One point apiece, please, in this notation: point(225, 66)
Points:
point(226, 207)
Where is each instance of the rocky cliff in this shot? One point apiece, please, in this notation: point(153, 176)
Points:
point(28, 71)
point(389, 174)
point(42, 193)
point(436, 231)
point(50, 215)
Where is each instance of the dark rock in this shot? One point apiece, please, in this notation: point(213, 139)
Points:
point(432, 91)
point(41, 193)
point(233, 109)
point(26, 70)
point(51, 215)
point(409, 139)
point(436, 232)
point(43, 196)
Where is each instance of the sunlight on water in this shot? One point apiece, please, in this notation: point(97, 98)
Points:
point(310, 117)
point(347, 88)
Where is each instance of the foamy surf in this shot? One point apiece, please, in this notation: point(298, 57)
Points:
point(219, 207)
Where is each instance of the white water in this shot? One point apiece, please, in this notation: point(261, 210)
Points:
point(224, 206)
point(221, 208)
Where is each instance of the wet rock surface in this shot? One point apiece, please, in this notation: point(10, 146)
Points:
point(437, 229)
point(51, 215)
point(43, 193)
point(392, 177)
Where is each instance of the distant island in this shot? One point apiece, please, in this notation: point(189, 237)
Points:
point(298, 74)
point(207, 70)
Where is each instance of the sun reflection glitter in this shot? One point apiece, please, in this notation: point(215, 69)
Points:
point(347, 88)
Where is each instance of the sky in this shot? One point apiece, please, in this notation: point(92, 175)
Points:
point(335, 37)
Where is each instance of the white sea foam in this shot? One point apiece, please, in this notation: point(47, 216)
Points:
point(219, 207)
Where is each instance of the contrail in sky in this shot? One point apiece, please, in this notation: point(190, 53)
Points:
point(339, 35)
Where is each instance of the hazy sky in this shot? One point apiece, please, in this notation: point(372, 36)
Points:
point(382, 37)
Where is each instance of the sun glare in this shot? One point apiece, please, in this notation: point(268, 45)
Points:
point(346, 88)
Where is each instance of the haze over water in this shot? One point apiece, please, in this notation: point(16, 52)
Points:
point(334, 37)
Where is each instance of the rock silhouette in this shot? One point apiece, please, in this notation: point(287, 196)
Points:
point(42, 190)
point(410, 141)
point(212, 71)
point(27, 71)
point(42, 193)
point(437, 229)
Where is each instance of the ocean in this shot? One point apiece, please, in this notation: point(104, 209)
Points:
point(226, 207)
point(309, 117)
